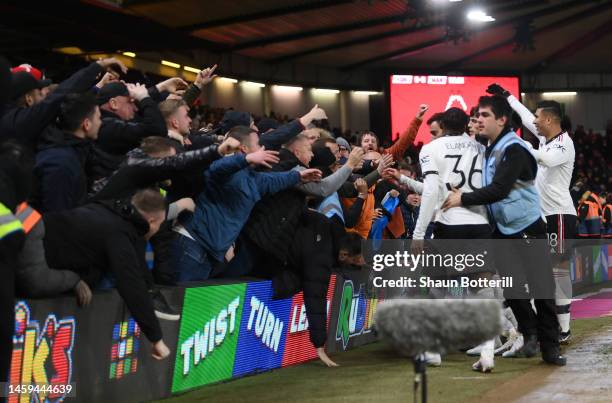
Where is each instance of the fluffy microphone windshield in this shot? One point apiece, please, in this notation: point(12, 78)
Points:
point(437, 325)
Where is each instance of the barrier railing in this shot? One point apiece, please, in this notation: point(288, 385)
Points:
point(226, 330)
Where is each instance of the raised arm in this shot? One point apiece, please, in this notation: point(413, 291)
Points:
point(526, 116)
point(164, 167)
point(406, 139)
point(348, 190)
point(429, 192)
point(273, 182)
point(30, 122)
point(353, 213)
point(328, 185)
point(276, 138)
point(412, 184)
point(333, 182)
point(225, 167)
point(193, 91)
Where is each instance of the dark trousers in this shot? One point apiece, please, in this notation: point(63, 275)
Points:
point(307, 267)
point(526, 258)
point(163, 268)
point(464, 239)
point(311, 254)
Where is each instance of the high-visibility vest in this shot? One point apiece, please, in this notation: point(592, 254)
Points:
point(607, 231)
point(8, 222)
point(28, 216)
point(591, 225)
point(594, 212)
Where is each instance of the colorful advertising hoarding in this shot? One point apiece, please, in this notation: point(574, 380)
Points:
point(298, 347)
point(600, 264)
point(225, 331)
point(124, 350)
point(232, 330)
point(356, 314)
point(42, 354)
point(353, 312)
point(208, 335)
point(263, 330)
point(98, 350)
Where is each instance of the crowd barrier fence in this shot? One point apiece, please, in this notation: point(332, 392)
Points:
point(227, 330)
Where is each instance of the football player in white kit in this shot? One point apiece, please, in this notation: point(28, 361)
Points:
point(555, 157)
point(454, 160)
point(451, 161)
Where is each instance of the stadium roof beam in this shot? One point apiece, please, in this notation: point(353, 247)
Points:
point(583, 42)
point(263, 14)
point(397, 32)
point(496, 24)
point(318, 32)
point(357, 41)
point(62, 19)
point(549, 27)
point(130, 3)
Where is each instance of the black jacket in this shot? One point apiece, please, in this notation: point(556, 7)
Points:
point(116, 136)
point(59, 174)
point(27, 124)
point(274, 139)
point(100, 237)
point(190, 182)
point(140, 171)
point(294, 247)
point(275, 218)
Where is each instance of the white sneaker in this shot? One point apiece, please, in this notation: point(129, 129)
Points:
point(509, 316)
point(507, 327)
point(516, 345)
point(486, 363)
point(511, 338)
point(474, 352)
point(433, 359)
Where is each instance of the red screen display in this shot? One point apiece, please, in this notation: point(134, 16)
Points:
point(440, 93)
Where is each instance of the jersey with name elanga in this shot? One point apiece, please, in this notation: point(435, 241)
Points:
point(457, 162)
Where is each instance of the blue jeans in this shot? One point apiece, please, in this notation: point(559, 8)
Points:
point(190, 260)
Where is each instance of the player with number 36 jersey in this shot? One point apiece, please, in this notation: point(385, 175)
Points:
point(454, 161)
point(450, 161)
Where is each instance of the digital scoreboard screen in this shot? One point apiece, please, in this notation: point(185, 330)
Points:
point(407, 92)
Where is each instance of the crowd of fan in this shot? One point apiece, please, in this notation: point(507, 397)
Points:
point(95, 168)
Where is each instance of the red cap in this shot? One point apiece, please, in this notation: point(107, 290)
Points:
point(37, 74)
